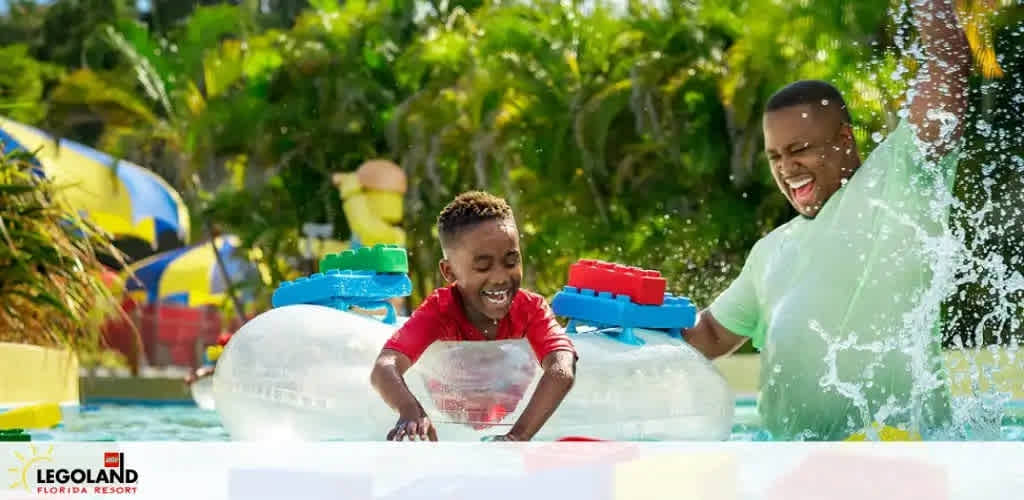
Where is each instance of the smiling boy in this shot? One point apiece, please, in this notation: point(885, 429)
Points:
point(483, 265)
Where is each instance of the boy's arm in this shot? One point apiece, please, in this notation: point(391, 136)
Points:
point(387, 378)
point(559, 375)
point(398, 354)
point(558, 360)
point(712, 339)
point(940, 94)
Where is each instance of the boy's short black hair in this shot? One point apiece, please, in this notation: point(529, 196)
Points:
point(808, 92)
point(468, 209)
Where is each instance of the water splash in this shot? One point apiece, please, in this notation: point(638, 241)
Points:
point(976, 264)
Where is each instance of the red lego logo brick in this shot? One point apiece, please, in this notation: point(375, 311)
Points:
point(643, 286)
point(111, 459)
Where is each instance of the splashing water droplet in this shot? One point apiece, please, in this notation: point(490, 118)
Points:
point(803, 115)
point(824, 102)
point(877, 137)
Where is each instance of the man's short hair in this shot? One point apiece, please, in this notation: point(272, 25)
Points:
point(814, 92)
point(468, 209)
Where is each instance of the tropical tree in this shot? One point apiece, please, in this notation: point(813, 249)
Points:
point(624, 133)
point(194, 97)
point(21, 24)
point(328, 107)
point(618, 109)
point(23, 84)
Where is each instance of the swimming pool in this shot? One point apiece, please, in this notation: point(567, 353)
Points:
point(186, 422)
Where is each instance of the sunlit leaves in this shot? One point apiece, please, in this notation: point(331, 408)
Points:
point(50, 284)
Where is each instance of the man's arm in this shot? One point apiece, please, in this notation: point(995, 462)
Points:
point(711, 338)
point(559, 376)
point(939, 100)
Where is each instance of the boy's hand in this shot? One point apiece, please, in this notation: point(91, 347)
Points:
point(416, 429)
point(387, 378)
point(503, 437)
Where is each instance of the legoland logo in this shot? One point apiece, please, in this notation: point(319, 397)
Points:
point(112, 459)
point(23, 472)
point(36, 472)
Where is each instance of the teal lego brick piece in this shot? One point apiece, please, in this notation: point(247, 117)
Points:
point(322, 288)
point(345, 289)
point(606, 310)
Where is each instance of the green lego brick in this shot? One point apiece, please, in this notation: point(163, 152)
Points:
point(14, 435)
point(380, 258)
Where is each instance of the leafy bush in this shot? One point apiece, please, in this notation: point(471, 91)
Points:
point(51, 286)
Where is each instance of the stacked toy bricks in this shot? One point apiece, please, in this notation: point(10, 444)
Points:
point(365, 278)
point(611, 296)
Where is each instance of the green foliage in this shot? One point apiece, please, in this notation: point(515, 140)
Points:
point(177, 111)
point(51, 290)
point(23, 82)
point(68, 29)
point(629, 136)
point(22, 23)
point(624, 107)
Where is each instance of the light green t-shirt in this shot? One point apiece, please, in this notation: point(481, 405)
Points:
point(835, 303)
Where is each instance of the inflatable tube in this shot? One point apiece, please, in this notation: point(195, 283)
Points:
point(661, 390)
point(202, 393)
point(302, 372)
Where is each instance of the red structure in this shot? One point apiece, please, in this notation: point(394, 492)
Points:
point(169, 335)
point(644, 286)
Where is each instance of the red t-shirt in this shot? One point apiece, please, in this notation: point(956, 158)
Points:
point(441, 317)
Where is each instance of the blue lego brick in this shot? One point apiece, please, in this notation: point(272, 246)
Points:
point(342, 288)
point(604, 309)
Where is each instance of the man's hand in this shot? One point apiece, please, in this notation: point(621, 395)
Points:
point(939, 99)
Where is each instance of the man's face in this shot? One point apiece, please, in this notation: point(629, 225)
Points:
point(810, 151)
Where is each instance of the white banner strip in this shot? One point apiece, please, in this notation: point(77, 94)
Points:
point(515, 471)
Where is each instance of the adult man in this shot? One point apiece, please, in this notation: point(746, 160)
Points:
point(841, 300)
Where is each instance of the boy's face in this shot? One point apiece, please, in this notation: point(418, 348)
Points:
point(810, 151)
point(485, 264)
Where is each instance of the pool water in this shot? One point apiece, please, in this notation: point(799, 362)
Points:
point(116, 422)
point(182, 422)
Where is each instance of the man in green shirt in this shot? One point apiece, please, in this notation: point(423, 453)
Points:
point(842, 300)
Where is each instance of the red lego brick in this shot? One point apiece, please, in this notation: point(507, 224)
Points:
point(643, 286)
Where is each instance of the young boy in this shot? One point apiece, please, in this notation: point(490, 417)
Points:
point(483, 266)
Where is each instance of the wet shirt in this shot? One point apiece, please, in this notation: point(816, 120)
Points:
point(843, 306)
